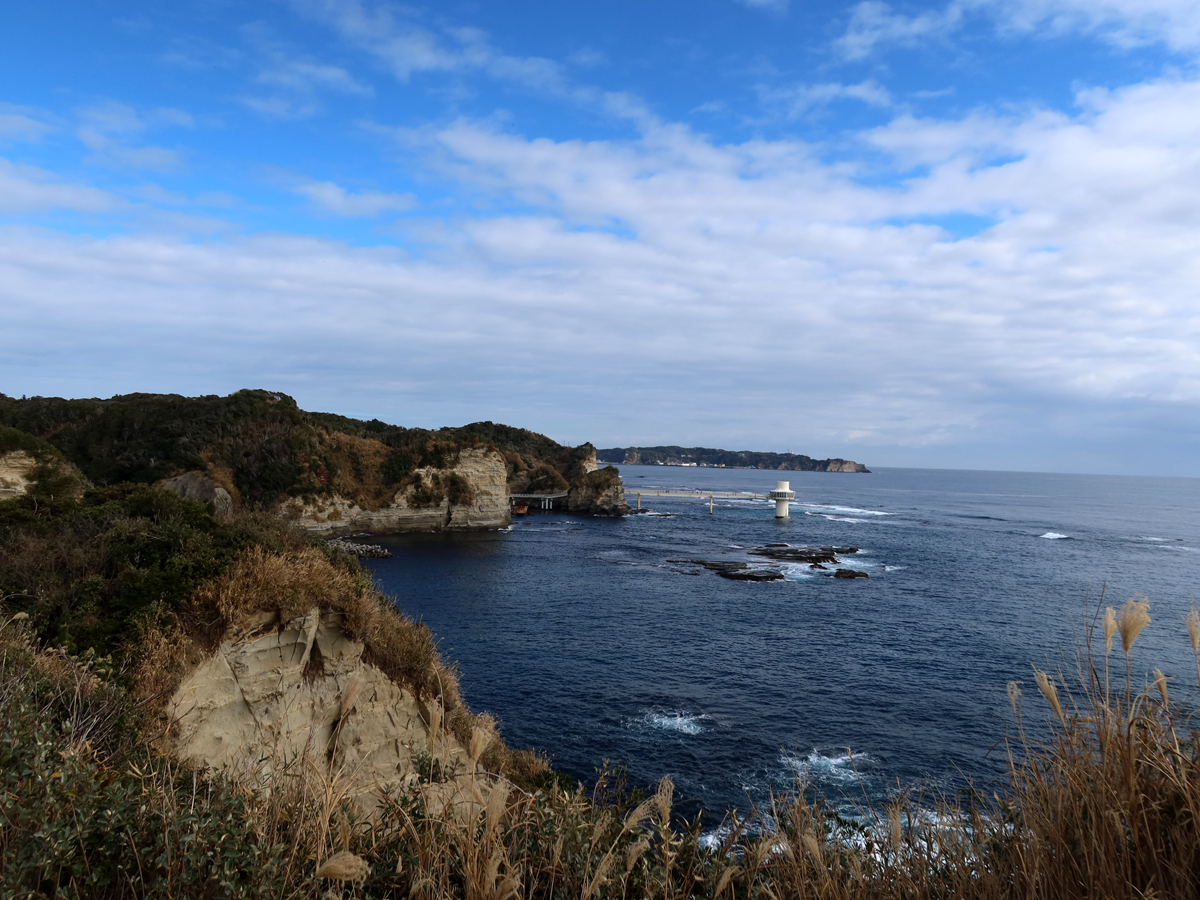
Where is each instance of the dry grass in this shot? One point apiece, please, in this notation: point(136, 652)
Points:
point(1106, 804)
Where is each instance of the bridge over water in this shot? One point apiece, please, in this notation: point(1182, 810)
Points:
point(546, 500)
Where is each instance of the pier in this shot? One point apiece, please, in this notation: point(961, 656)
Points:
point(546, 500)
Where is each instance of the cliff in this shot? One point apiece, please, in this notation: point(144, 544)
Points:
point(31, 466)
point(472, 493)
point(258, 450)
point(247, 645)
point(600, 493)
point(289, 697)
point(736, 459)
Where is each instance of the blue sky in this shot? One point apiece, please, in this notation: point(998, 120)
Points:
point(962, 233)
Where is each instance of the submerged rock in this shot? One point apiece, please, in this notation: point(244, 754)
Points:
point(811, 555)
point(738, 571)
point(850, 573)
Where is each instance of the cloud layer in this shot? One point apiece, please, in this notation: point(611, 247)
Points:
point(1004, 286)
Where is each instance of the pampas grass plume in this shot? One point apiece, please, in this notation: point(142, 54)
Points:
point(1050, 692)
point(1160, 682)
point(1134, 616)
point(1193, 627)
point(1110, 628)
point(480, 739)
point(344, 866)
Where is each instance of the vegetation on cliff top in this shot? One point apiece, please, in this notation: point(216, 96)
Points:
point(1107, 806)
point(262, 448)
point(143, 583)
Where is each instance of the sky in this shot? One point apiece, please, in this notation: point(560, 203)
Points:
point(959, 233)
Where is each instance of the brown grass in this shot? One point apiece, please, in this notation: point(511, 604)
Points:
point(1105, 805)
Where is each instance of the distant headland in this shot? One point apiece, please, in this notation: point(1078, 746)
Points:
point(706, 457)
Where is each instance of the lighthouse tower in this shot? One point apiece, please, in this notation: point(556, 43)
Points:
point(781, 495)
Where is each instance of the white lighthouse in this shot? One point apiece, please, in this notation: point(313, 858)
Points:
point(781, 495)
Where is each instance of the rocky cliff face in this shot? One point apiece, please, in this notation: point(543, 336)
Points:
point(198, 486)
point(601, 493)
point(278, 694)
point(16, 471)
point(484, 504)
point(845, 465)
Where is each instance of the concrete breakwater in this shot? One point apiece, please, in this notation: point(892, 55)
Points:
point(362, 551)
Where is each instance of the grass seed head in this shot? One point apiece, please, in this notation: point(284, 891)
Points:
point(480, 738)
point(344, 866)
point(1134, 616)
point(636, 849)
point(662, 798)
point(1193, 627)
point(1160, 682)
point(1110, 628)
point(1050, 692)
point(1014, 695)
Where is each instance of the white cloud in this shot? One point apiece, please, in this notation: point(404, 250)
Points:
point(335, 199)
point(306, 75)
point(108, 129)
point(670, 287)
point(281, 107)
point(1175, 23)
point(27, 189)
point(775, 6)
point(796, 100)
point(20, 124)
point(873, 23)
point(1126, 23)
point(405, 48)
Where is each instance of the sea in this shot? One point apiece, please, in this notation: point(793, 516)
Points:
point(598, 639)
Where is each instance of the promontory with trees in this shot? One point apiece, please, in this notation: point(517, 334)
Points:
point(729, 459)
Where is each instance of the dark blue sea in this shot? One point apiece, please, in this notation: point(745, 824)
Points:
point(588, 640)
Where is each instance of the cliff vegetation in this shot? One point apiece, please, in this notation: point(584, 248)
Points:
point(264, 450)
point(1107, 806)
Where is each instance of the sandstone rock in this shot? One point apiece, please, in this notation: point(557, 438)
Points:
point(283, 694)
point(16, 469)
point(599, 493)
point(846, 465)
point(484, 471)
point(19, 471)
point(198, 486)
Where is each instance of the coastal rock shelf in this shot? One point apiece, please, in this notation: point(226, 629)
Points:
point(810, 555)
point(487, 505)
point(818, 558)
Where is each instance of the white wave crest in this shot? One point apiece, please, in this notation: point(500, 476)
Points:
point(674, 720)
point(816, 766)
point(1055, 536)
point(844, 510)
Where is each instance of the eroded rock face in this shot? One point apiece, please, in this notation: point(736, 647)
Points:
point(281, 692)
point(198, 486)
point(600, 493)
point(15, 471)
point(483, 470)
point(846, 465)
